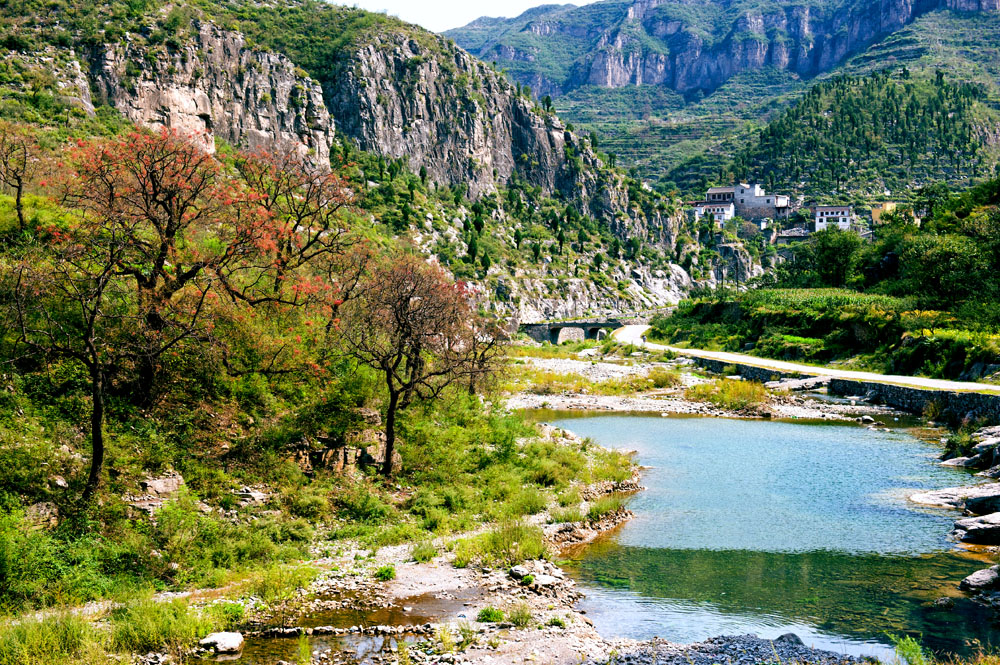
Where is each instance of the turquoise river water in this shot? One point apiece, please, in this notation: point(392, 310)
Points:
point(773, 527)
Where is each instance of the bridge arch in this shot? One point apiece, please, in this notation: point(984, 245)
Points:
point(568, 334)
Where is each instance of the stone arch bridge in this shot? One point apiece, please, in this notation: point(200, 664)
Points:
point(557, 332)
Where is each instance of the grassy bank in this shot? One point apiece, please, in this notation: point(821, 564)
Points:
point(866, 331)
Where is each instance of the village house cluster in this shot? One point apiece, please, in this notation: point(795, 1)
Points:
point(752, 203)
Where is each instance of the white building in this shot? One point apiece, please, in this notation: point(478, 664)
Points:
point(840, 216)
point(751, 201)
point(721, 212)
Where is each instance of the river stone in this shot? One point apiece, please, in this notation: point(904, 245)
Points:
point(983, 505)
point(955, 497)
point(789, 638)
point(963, 462)
point(983, 446)
point(519, 572)
point(986, 579)
point(546, 580)
point(984, 530)
point(223, 642)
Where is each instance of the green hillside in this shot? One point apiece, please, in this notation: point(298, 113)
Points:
point(688, 140)
point(889, 131)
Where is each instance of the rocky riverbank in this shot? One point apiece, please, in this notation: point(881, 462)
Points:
point(981, 505)
point(787, 399)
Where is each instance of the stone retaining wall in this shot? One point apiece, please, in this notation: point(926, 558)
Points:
point(751, 372)
point(956, 406)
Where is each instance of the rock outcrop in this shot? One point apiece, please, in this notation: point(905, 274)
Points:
point(441, 109)
point(216, 86)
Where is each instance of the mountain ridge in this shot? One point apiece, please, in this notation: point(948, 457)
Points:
point(688, 46)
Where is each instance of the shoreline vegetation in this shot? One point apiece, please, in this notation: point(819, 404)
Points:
point(367, 544)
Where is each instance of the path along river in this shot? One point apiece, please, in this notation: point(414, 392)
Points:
point(773, 527)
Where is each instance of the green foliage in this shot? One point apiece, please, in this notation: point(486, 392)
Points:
point(423, 552)
point(505, 545)
point(909, 650)
point(604, 506)
point(489, 615)
point(386, 573)
point(873, 133)
point(143, 625)
point(569, 514)
point(520, 615)
point(730, 394)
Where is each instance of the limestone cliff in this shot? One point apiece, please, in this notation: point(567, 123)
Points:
point(216, 86)
point(689, 46)
point(445, 111)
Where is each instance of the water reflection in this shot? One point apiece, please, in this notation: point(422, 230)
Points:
point(770, 527)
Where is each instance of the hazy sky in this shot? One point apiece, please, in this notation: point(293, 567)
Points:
point(440, 15)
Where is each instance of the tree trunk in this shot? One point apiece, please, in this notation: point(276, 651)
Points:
point(96, 436)
point(390, 432)
point(19, 204)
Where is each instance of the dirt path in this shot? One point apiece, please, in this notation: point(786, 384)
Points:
point(633, 335)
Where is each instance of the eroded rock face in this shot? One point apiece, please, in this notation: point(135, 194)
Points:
point(216, 86)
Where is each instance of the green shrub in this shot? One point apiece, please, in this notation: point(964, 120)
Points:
point(729, 394)
point(529, 501)
point(423, 552)
point(361, 505)
point(664, 378)
point(520, 615)
point(557, 622)
point(277, 583)
point(489, 615)
point(527, 580)
point(909, 650)
point(386, 573)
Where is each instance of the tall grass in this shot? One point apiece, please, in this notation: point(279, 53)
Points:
point(729, 394)
point(61, 638)
point(604, 506)
point(145, 625)
point(138, 626)
point(507, 544)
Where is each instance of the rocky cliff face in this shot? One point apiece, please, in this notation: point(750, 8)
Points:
point(652, 44)
point(428, 102)
point(216, 86)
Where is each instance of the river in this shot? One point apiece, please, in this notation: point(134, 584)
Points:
point(773, 527)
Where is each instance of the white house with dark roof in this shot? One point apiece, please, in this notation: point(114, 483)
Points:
point(751, 202)
point(842, 217)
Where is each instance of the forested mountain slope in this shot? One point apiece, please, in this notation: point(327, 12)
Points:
point(889, 131)
point(754, 59)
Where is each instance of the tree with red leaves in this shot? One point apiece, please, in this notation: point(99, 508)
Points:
point(163, 246)
point(418, 328)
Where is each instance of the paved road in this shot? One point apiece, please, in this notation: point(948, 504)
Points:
point(633, 335)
